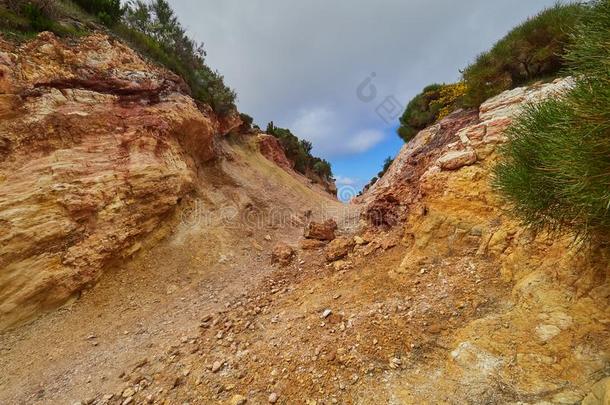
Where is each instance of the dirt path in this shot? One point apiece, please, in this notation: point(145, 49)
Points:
point(203, 317)
point(217, 252)
point(136, 312)
point(179, 330)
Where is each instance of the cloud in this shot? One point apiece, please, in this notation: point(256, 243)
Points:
point(330, 135)
point(299, 64)
point(364, 140)
point(345, 181)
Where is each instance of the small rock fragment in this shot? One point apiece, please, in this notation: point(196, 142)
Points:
point(216, 366)
point(238, 400)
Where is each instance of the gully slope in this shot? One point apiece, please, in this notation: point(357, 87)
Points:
point(434, 296)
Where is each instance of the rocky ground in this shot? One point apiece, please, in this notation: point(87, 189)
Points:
point(235, 281)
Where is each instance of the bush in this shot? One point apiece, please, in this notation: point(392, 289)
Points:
point(555, 170)
point(154, 30)
point(37, 17)
point(109, 12)
point(322, 168)
point(532, 51)
point(299, 152)
point(246, 122)
point(433, 103)
point(22, 20)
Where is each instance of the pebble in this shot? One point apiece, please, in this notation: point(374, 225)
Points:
point(395, 363)
point(273, 397)
point(128, 392)
point(216, 366)
point(326, 313)
point(238, 400)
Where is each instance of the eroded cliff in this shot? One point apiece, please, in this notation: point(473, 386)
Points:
point(436, 296)
point(97, 147)
point(550, 339)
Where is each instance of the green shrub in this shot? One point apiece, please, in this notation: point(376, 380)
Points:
point(322, 168)
point(109, 12)
point(154, 30)
point(37, 18)
point(555, 170)
point(532, 51)
point(299, 152)
point(433, 103)
point(386, 165)
point(22, 20)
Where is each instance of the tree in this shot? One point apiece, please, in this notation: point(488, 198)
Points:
point(270, 128)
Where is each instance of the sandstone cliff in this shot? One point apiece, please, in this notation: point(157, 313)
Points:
point(441, 297)
point(97, 148)
point(551, 338)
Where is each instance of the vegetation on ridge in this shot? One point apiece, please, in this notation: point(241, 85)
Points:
point(555, 170)
point(151, 28)
point(299, 152)
point(532, 51)
point(535, 50)
point(434, 103)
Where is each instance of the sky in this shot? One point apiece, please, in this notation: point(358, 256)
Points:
point(340, 72)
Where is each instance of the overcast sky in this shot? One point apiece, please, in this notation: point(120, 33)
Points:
point(300, 63)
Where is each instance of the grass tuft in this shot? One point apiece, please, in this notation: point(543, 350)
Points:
point(555, 170)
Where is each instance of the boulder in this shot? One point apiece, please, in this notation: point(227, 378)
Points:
point(342, 265)
point(321, 231)
point(282, 254)
point(456, 159)
point(339, 248)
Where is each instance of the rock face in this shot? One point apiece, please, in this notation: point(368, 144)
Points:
point(321, 231)
point(600, 393)
point(551, 340)
point(271, 148)
point(97, 146)
point(456, 159)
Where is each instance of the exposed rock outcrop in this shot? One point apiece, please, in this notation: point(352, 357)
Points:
point(551, 342)
point(271, 148)
point(97, 147)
